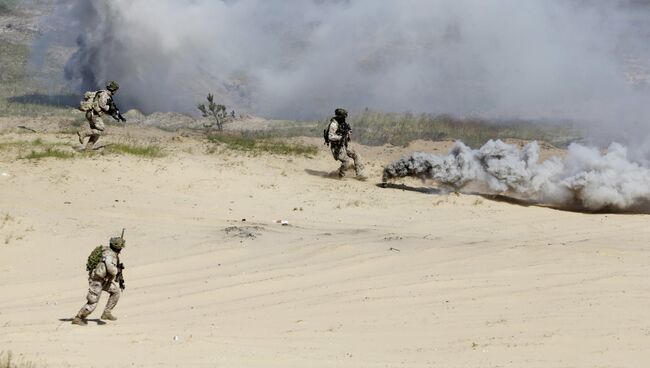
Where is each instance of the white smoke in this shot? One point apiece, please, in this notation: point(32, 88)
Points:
point(585, 179)
point(538, 59)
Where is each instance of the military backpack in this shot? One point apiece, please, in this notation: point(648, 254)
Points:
point(88, 103)
point(326, 134)
point(94, 258)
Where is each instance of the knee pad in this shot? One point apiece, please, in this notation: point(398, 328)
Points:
point(92, 298)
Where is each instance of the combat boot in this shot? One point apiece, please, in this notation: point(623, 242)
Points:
point(108, 316)
point(79, 321)
point(81, 137)
point(362, 177)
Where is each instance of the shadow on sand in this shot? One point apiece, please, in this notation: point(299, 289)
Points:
point(323, 174)
point(640, 209)
point(98, 321)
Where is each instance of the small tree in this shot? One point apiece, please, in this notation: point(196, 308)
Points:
point(213, 110)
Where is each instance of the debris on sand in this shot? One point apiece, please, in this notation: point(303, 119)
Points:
point(246, 232)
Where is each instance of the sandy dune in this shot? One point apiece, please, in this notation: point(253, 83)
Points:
point(362, 276)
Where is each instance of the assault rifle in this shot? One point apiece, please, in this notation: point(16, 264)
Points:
point(343, 130)
point(115, 112)
point(120, 267)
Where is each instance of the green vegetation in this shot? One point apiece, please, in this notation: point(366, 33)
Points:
point(373, 128)
point(377, 128)
point(22, 145)
point(256, 145)
point(38, 149)
point(135, 149)
point(48, 152)
point(7, 361)
point(215, 111)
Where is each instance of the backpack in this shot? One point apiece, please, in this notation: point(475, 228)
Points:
point(94, 258)
point(88, 103)
point(326, 134)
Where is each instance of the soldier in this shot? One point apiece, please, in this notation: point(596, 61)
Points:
point(102, 103)
point(338, 137)
point(104, 268)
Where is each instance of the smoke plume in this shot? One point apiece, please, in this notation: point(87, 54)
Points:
point(585, 179)
point(540, 59)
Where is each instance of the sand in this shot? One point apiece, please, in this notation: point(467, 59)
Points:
point(362, 276)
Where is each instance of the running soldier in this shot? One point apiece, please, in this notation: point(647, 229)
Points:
point(337, 135)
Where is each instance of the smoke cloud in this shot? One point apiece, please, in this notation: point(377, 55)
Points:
point(540, 59)
point(585, 179)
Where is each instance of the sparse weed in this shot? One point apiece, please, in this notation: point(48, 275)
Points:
point(256, 145)
point(135, 149)
point(377, 128)
point(49, 152)
point(6, 218)
point(373, 128)
point(7, 361)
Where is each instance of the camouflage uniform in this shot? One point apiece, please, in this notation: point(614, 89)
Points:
point(101, 278)
point(342, 152)
point(101, 105)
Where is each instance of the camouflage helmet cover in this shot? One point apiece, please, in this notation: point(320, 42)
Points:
point(112, 86)
point(341, 112)
point(117, 243)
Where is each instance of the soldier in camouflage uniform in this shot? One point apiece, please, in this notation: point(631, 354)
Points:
point(339, 138)
point(101, 106)
point(102, 277)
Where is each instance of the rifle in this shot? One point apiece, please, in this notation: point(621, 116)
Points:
point(120, 267)
point(115, 112)
point(344, 131)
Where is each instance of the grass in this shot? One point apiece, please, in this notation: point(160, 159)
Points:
point(7, 361)
point(135, 149)
point(21, 145)
point(399, 129)
point(257, 145)
point(39, 149)
point(373, 128)
point(48, 152)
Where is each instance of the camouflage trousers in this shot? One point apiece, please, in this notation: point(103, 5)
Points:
point(95, 288)
point(96, 129)
point(348, 158)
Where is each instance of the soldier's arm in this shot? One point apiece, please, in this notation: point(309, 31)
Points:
point(333, 137)
point(111, 266)
point(104, 101)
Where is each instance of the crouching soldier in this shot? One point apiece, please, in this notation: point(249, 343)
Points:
point(104, 273)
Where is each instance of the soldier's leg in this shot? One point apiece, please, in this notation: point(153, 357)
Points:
point(97, 129)
point(340, 154)
point(94, 291)
point(84, 133)
point(114, 292)
point(358, 165)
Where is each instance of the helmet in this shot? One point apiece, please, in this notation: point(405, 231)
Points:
point(341, 113)
point(117, 243)
point(112, 86)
